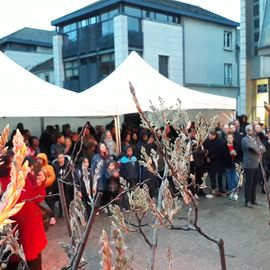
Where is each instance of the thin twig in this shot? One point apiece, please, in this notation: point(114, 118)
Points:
point(124, 192)
point(141, 230)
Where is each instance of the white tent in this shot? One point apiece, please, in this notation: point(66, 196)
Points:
point(25, 95)
point(112, 95)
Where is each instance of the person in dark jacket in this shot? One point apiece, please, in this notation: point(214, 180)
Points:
point(224, 133)
point(99, 166)
point(214, 160)
point(129, 167)
point(237, 138)
point(143, 139)
point(89, 145)
point(252, 149)
point(62, 170)
point(84, 183)
point(243, 124)
point(266, 160)
point(46, 140)
point(229, 158)
point(112, 178)
point(58, 147)
point(198, 166)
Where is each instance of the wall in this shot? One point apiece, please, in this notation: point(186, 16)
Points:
point(164, 39)
point(42, 75)
point(28, 60)
point(205, 55)
point(59, 75)
point(120, 39)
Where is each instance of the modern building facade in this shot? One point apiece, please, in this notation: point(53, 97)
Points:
point(254, 58)
point(30, 48)
point(189, 45)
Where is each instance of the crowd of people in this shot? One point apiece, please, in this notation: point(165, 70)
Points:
point(99, 164)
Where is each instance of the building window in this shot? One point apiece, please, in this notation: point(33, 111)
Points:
point(47, 77)
point(227, 42)
point(256, 37)
point(84, 23)
point(69, 28)
point(161, 17)
point(256, 10)
point(107, 65)
point(70, 32)
point(107, 28)
point(257, 23)
point(133, 11)
point(163, 65)
point(255, 50)
point(134, 24)
point(228, 74)
point(71, 70)
point(262, 88)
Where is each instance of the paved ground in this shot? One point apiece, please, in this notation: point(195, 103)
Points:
point(245, 232)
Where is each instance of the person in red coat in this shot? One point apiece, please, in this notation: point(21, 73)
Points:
point(29, 219)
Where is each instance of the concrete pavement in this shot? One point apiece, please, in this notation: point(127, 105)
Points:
point(245, 232)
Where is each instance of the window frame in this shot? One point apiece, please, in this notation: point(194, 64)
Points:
point(228, 74)
point(161, 69)
point(227, 36)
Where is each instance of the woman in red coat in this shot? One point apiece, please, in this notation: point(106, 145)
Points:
point(29, 219)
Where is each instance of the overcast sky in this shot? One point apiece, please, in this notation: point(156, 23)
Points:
point(16, 14)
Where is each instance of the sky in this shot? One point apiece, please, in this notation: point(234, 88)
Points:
point(16, 14)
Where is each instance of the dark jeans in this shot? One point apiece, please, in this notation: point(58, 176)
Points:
point(51, 200)
point(252, 176)
point(215, 172)
point(33, 265)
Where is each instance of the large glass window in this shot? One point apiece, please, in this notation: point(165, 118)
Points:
point(134, 24)
point(257, 23)
point(93, 20)
point(163, 65)
point(256, 37)
point(84, 23)
point(113, 13)
point(256, 10)
point(228, 74)
point(136, 12)
point(71, 70)
point(72, 36)
point(161, 17)
point(107, 65)
point(104, 16)
point(107, 28)
point(70, 27)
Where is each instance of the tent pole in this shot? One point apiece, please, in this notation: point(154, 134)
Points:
point(42, 124)
point(119, 133)
point(116, 131)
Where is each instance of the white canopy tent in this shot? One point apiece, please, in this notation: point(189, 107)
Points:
point(112, 95)
point(28, 99)
point(25, 95)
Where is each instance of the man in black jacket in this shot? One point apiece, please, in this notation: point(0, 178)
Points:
point(214, 160)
